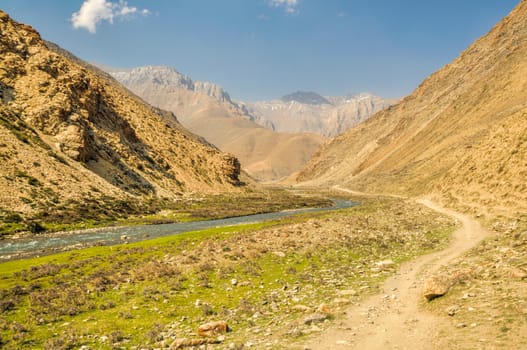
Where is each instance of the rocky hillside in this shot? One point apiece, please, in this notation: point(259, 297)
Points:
point(207, 110)
point(462, 134)
point(310, 112)
point(71, 138)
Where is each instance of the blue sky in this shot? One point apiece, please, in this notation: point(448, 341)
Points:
point(263, 49)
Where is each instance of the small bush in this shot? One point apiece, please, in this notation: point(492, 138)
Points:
point(155, 334)
point(35, 227)
point(33, 182)
point(12, 218)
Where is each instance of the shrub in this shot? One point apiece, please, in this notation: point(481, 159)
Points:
point(35, 227)
point(12, 218)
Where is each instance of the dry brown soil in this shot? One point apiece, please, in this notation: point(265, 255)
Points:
point(394, 318)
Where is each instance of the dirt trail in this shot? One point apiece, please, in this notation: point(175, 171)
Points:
point(394, 319)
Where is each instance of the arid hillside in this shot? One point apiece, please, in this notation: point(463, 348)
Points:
point(462, 134)
point(71, 138)
point(207, 110)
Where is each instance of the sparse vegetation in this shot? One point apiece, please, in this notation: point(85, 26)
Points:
point(101, 210)
point(252, 276)
point(489, 309)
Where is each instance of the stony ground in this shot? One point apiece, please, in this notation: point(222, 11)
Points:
point(480, 281)
point(274, 286)
point(488, 308)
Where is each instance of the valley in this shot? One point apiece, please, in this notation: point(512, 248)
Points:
point(272, 139)
point(142, 209)
point(259, 278)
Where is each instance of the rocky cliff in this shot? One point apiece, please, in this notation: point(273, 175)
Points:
point(460, 135)
point(70, 137)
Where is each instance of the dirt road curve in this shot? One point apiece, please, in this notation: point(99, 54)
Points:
point(393, 319)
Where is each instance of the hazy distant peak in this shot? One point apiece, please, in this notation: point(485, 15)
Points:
point(158, 75)
point(164, 76)
point(309, 97)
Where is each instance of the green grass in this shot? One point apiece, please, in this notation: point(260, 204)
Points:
point(130, 293)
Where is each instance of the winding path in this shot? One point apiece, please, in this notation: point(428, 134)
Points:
point(393, 319)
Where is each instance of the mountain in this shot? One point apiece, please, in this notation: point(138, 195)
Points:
point(310, 112)
point(168, 78)
point(462, 134)
point(73, 139)
point(207, 110)
point(308, 98)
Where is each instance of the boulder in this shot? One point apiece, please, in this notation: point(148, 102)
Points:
point(436, 286)
point(385, 264)
point(213, 329)
point(315, 318)
point(300, 308)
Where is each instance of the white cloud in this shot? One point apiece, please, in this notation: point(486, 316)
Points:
point(92, 12)
point(288, 5)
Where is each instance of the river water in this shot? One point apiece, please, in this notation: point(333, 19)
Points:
point(48, 244)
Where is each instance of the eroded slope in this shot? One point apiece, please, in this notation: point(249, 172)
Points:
point(460, 134)
point(70, 138)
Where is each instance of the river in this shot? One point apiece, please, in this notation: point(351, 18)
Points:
point(11, 249)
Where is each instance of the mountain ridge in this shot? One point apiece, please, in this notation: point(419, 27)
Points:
point(329, 116)
point(305, 97)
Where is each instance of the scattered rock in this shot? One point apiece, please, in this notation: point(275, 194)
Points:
point(103, 339)
point(300, 308)
point(385, 264)
point(234, 282)
point(341, 301)
point(461, 325)
point(185, 343)
point(279, 254)
point(343, 342)
point(315, 318)
point(453, 310)
point(212, 329)
point(468, 295)
point(324, 309)
point(346, 293)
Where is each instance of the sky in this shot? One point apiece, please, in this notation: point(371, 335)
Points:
point(264, 49)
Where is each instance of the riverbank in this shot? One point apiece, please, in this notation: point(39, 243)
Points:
point(186, 209)
point(45, 244)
